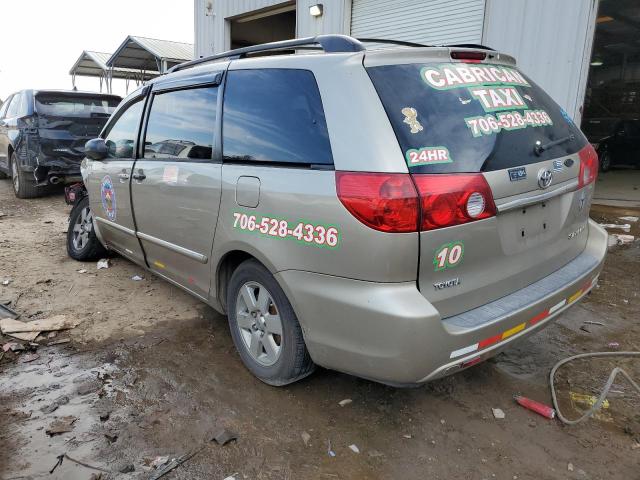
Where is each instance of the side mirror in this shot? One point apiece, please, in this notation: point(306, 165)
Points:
point(96, 149)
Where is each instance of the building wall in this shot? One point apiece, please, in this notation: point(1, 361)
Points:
point(551, 41)
point(212, 25)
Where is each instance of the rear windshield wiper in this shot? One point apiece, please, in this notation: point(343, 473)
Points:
point(539, 148)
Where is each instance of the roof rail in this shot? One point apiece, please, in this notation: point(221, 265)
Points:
point(470, 45)
point(329, 43)
point(392, 42)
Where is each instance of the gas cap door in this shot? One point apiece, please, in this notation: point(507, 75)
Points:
point(248, 191)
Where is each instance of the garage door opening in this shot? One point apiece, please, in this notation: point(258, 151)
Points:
point(611, 117)
point(262, 27)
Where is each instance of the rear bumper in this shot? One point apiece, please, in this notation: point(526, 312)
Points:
point(390, 333)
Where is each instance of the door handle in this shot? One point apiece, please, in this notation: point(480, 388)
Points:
point(139, 176)
point(123, 177)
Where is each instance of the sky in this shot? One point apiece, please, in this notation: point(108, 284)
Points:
point(42, 39)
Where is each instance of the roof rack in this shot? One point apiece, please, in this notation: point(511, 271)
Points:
point(329, 43)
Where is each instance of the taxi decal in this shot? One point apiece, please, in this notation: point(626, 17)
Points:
point(108, 195)
point(526, 325)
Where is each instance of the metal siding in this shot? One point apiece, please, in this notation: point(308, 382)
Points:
point(550, 40)
point(423, 21)
point(335, 18)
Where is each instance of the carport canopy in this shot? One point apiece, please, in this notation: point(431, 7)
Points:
point(149, 54)
point(94, 64)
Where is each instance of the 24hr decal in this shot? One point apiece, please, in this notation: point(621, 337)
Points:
point(448, 255)
point(325, 236)
point(428, 156)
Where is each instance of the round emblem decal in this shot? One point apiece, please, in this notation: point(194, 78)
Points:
point(108, 195)
point(545, 177)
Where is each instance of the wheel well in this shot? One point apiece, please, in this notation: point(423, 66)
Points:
point(9, 153)
point(227, 266)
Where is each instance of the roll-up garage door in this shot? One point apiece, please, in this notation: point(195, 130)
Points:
point(433, 22)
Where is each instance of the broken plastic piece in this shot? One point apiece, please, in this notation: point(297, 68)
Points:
point(223, 436)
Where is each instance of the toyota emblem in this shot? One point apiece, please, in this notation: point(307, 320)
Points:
point(545, 177)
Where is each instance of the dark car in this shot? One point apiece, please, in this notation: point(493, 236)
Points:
point(42, 136)
point(621, 146)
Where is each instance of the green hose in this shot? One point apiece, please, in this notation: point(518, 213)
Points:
point(605, 391)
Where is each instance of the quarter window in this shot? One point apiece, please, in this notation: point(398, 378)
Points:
point(121, 138)
point(182, 124)
point(274, 115)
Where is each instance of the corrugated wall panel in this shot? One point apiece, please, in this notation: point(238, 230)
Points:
point(422, 21)
point(335, 18)
point(551, 41)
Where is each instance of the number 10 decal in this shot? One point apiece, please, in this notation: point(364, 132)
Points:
point(448, 255)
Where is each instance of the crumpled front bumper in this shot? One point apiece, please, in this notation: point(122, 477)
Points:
point(388, 332)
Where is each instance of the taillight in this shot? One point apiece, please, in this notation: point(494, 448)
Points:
point(383, 201)
point(588, 165)
point(390, 203)
point(470, 57)
point(449, 200)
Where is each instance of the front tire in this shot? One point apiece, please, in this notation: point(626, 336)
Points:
point(605, 161)
point(82, 242)
point(265, 328)
point(23, 187)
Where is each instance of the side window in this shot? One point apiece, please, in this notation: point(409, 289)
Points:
point(182, 124)
point(274, 115)
point(121, 138)
point(12, 111)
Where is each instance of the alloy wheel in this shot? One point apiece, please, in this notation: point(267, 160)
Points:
point(82, 228)
point(258, 320)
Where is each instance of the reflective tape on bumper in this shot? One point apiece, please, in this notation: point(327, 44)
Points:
point(528, 324)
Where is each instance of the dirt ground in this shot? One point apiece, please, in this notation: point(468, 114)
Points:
point(153, 372)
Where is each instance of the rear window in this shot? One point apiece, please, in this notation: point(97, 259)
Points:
point(75, 106)
point(460, 117)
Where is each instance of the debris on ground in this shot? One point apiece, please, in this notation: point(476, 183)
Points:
point(26, 336)
point(53, 406)
point(111, 437)
point(305, 438)
point(127, 468)
point(497, 413)
point(223, 436)
point(59, 342)
point(82, 270)
point(591, 322)
point(354, 448)
point(539, 408)
point(345, 402)
point(6, 312)
point(406, 435)
point(584, 328)
point(103, 263)
point(587, 400)
point(159, 461)
point(13, 346)
point(231, 477)
point(61, 425)
point(88, 387)
point(613, 345)
point(329, 449)
point(11, 327)
point(626, 227)
point(162, 471)
point(629, 219)
point(570, 467)
point(6, 282)
point(94, 476)
point(137, 278)
point(619, 239)
point(30, 357)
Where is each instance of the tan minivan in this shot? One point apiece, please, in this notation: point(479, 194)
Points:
point(399, 213)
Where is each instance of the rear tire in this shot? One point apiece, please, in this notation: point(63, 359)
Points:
point(265, 328)
point(82, 242)
point(605, 161)
point(23, 187)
